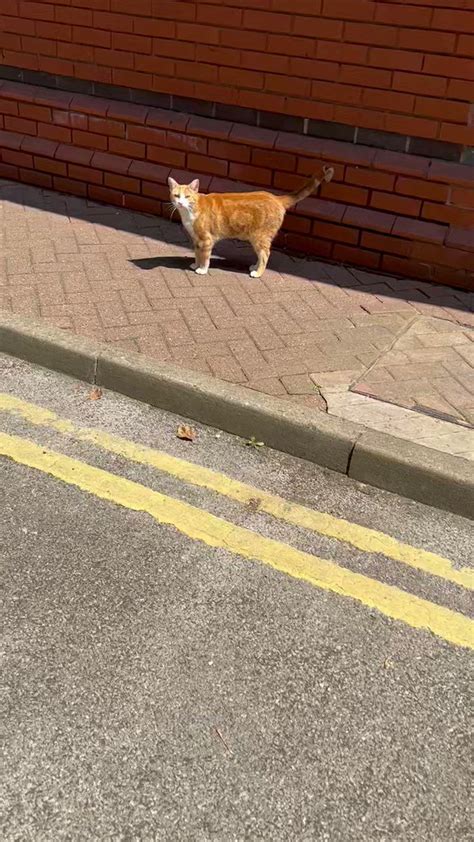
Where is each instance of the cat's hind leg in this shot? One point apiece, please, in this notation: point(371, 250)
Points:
point(262, 247)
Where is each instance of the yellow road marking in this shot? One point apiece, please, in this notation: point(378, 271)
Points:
point(216, 532)
point(361, 537)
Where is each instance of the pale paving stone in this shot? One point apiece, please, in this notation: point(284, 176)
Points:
point(299, 384)
point(379, 375)
point(467, 352)
point(395, 358)
point(457, 443)
point(449, 339)
point(334, 381)
point(428, 325)
point(403, 423)
point(447, 356)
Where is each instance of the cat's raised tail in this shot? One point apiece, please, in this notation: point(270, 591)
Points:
point(298, 195)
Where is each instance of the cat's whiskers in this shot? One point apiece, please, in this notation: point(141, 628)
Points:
point(170, 206)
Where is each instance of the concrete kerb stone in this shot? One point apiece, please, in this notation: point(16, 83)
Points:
point(48, 346)
point(377, 459)
point(411, 470)
point(323, 439)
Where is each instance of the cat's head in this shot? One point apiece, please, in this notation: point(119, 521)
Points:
point(183, 195)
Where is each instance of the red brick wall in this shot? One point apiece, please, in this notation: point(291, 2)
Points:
point(382, 65)
point(403, 214)
point(403, 67)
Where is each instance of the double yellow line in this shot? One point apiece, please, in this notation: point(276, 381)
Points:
point(213, 531)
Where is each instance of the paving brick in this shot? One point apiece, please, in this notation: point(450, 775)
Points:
point(265, 338)
point(298, 384)
point(269, 386)
point(112, 315)
point(152, 346)
point(227, 368)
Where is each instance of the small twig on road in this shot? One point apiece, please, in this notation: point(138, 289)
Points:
point(219, 734)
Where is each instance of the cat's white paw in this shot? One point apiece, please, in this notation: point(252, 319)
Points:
point(254, 274)
point(201, 271)
point(252, 268)
point(194, 265)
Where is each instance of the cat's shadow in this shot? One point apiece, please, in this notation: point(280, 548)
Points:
point(182, 262)
point(171, 262)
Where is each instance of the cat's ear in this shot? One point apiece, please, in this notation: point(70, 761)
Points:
point(172, 184)
point(195, 185)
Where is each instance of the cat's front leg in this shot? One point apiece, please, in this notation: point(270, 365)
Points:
point(195, 263)
point(203, 250)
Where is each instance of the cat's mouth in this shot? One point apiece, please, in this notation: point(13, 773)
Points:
point(183, 203)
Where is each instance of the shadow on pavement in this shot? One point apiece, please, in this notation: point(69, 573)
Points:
point(184, 262)
point(237, 256)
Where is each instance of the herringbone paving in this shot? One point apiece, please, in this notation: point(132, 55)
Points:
point(307, 331)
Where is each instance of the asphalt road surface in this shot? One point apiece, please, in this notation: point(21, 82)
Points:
point(210, 641)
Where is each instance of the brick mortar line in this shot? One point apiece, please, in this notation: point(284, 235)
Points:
point(378, 459)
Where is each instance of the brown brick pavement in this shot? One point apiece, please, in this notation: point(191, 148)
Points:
point(306, 332)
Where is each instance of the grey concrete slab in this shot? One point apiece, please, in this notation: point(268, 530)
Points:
point(432, 477)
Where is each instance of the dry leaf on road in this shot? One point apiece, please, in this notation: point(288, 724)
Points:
point(186, 433)
point(95, 394)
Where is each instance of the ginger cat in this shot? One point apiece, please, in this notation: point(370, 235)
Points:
point(254, 217)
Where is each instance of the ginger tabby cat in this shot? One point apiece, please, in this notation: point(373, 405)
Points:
point(253, 217)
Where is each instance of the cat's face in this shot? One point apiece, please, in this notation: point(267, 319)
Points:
point(183, 195)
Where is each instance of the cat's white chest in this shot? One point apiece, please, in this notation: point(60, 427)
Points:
point(188, 218)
